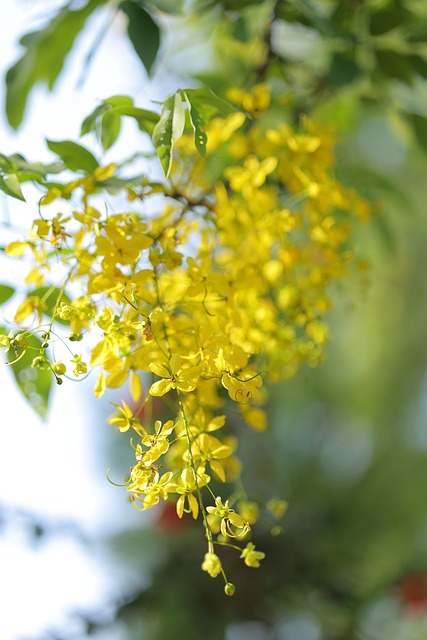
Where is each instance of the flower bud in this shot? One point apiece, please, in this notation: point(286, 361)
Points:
point(229, 589)
point(59, 368)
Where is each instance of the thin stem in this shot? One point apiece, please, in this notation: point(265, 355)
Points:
point(228, 544)
point(193, 466)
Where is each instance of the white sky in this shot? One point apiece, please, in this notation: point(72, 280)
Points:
point(53, 468)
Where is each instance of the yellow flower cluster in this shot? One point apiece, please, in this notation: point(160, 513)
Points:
point(209, 285)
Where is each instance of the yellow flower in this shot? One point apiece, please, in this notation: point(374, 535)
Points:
point(219, 130)
point(250, 556)
point(67, 311)
point(207, 448)
point(252, 175)
point(212, 564)
point(254, 417)
point(125, 420)
point(135, 387)
point(40, 362)
point(17, 342)
point(232, 525)
point(277, 507)
point(158, 443)
point(31, 305)
point(40, 228)
point(5, 342)
point(258, 99)
point(175, 376)
point(241, 389)
point(249, 511)
point(16, 249)
point(186, 487)
point(147, 486)
point(80, 366)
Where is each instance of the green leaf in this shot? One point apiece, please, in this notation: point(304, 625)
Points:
point(419, 65)
point(115, 185)
point(198, 122)
point(387, 19)
point(52, 296)
point(121, 106)
point(6, 164)
point(35, 384)
point(174, 7)
point(74, 156)
point(419, 125)
point(44, 57)
point(168, 130)
point(93, 119)
point(209, 104)
point(43, 170)
point(343, 71)
point(146, 120)
point(9, 184)
point(240, 30)
point(6, 292)
point(110, 129)
point(237, 5)
point(143, 33)
point(394, 65)
point(118, 101)
point(18, 170)
point(203, 105)
point(308, 12)
point(89, 123)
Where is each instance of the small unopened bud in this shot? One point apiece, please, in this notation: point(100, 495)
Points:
point(59, 380)
point(229, 589)
point(59, 368)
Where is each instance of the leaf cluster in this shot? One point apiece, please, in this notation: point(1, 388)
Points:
point(105, 123)
point(365, 48)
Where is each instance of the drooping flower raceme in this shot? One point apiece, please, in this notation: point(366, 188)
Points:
point(198, 291)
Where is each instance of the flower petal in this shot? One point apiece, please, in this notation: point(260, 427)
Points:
point(159, 369)
point(160, 387)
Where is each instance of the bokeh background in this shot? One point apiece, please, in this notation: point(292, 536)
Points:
point(347, 445)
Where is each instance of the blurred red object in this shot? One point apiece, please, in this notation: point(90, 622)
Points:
point(168, 521)
point(413, 593)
